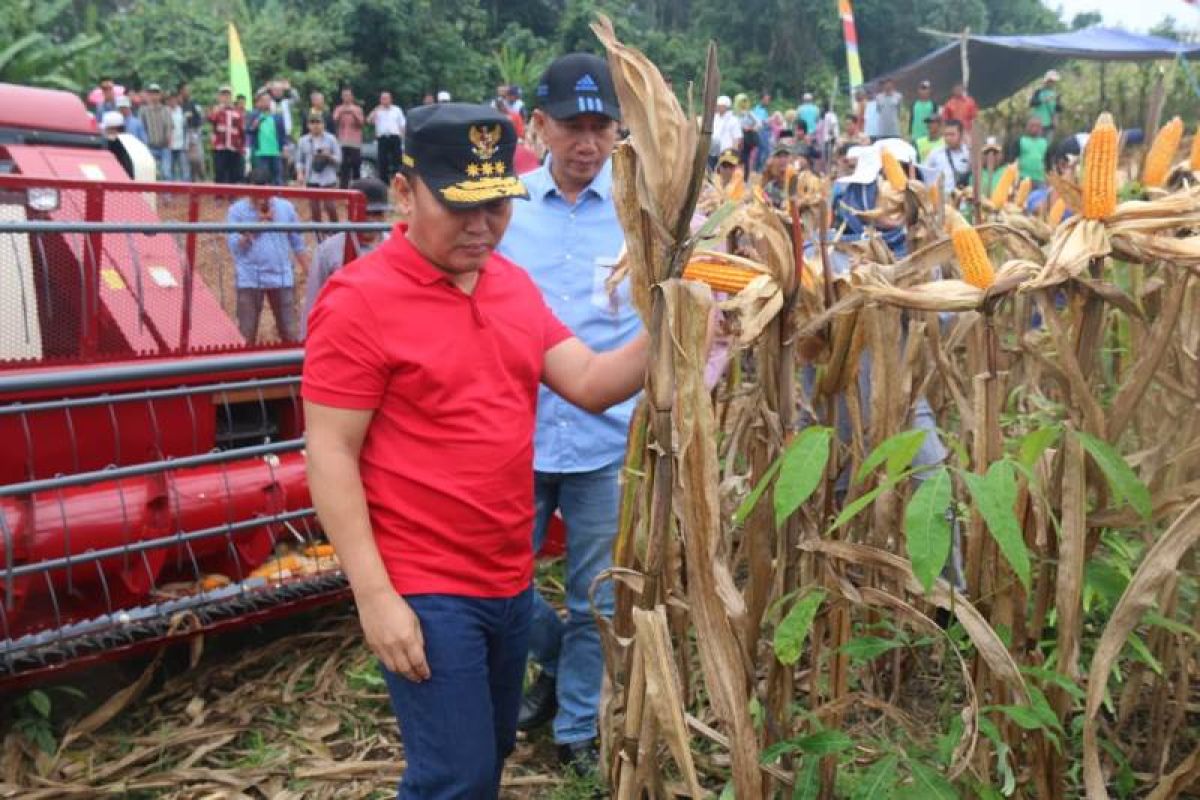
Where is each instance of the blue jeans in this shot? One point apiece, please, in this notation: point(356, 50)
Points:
point(460, 725)
point(570, 649)
point(273, 165)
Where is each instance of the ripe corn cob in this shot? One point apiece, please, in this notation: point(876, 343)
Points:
point(1023, 190)
point(893, 171)
point(972, 257)
point(319, 551)
point(719, 275)
point(1004, 185)
point(1056, 212)
point(277, 568)
point(1161, 153)
point(1194, 160)
point(1099, 185)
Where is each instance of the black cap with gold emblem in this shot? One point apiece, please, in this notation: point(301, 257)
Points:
point(463, 153)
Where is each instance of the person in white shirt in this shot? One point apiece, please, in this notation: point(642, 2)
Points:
point(388, 120)
point(951, 161)
point(727, 131)
point(176, 160)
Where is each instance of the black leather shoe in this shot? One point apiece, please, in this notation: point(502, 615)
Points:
point(539, 705)
point(582, 758)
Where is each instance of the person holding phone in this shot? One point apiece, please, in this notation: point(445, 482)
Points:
point(318, 157)
point(263, 261)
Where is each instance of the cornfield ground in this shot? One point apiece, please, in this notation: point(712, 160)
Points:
point(296, 709)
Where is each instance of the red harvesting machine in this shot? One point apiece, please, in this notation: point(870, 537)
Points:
point(152, 481)
point(152, 476)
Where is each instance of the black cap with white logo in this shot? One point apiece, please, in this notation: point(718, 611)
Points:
point(578, 83)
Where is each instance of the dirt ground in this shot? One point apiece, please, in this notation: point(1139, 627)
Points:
point(280, 713)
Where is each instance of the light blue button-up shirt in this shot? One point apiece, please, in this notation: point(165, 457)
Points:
point(569, 251)
point(267, 262)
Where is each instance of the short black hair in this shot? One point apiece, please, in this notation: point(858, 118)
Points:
point(954, 123)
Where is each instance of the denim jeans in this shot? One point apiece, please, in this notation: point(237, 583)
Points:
point(460, 725)
point(570, 649)
point(283, 306)
point(273, 165)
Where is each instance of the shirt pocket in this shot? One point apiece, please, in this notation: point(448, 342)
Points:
point(609, 300)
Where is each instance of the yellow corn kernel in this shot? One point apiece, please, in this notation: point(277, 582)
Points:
point(1194, 160)
point(972, 256)
point(1004, 185)
point(1099, 185)
point(893, 171)
point(1161, 153)
point(718, 275)
point(1056, 212)
point(1023, 190)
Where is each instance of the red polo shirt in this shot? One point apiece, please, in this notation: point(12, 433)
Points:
point(447, 463)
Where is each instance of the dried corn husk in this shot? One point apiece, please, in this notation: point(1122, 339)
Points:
point(662, 135)
point(944, 295)
point(1075, 243)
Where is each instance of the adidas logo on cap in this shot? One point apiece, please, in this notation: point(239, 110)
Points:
point(586, 84)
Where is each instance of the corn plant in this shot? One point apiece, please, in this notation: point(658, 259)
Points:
point(931, 535)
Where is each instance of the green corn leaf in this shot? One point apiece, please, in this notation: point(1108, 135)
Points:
point(824, 743)
point(747, 506)
point(803, 467)
point(793, 629)
point(1034, 443)
point(880, 780)
point(1123, 481)
point(866, 648)
point(926, 529)
point(995, 495)
point(931, 783)
point(808, 781)
point(898, 451)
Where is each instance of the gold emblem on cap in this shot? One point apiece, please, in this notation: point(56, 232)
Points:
point(485, 141)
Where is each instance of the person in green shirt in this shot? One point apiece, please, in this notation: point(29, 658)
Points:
point(923, 108)
point(1045, 103)
point(1031, 150)
point(932, 139)
point(992, 168)
point(267, 137)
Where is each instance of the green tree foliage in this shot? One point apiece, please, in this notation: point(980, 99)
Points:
point(414, 47)
point(36, 49)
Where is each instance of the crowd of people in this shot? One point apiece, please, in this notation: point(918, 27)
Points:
point(814, 137)
point(313, 145)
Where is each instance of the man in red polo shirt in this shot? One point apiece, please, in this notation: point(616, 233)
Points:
point(420, 385)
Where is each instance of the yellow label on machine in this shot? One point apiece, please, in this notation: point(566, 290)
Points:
point(112, 279)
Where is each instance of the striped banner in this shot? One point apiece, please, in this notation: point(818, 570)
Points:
point(239, 71)
point(846, 12)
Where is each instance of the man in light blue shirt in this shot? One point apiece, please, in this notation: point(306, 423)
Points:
point(568, 238)
point(263, 261)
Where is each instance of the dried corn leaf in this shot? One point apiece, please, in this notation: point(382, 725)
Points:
point(1075, 243)
point(1143, 248)
point(663, 690)
point(709, 585)
point(990, 646)
point(662, 135)
point(1158, 566)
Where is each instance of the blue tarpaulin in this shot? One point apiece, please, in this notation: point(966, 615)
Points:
point(1000, 65)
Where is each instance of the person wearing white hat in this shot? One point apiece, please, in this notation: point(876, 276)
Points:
point(727, 131)
point(1046, 104)
point(992, 168)
point(133, 125)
